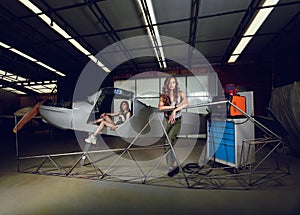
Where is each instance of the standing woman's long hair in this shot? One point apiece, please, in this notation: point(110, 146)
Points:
point(166, 90)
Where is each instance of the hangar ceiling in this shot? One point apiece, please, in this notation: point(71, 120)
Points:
point(213, 27)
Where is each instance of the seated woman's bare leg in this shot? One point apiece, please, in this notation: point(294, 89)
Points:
point(102, 125)
point(92, 137)
point(98, 120)
point(108, 119)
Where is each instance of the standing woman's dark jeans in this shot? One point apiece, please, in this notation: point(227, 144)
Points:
point(172, 130)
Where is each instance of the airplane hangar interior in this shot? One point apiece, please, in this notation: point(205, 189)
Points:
point(150, 107)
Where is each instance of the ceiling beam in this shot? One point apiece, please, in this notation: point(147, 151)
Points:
point(194, 22)
point(102, 19)
point(195, 4)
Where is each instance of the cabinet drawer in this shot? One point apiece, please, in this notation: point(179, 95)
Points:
point(221, 124)
point(226, 153)
point(222, 138)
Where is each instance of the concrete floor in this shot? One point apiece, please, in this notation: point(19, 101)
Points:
point(22, 193)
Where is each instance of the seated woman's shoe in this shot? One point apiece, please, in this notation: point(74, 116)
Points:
point(91, 139)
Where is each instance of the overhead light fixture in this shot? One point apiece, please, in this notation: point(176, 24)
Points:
point(233, 58)
point(4, 45)
point(42, 88)
point(22, 54)
point(10, 77)
point(79, 47)
point(241, 46)
point(96, 61)
point(151, 23)
point(39, 87)
point(258, 20)
point(59, 30)
point(16, 51)
point(13, 90)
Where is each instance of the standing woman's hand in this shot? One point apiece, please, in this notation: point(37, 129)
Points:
point(172, 117)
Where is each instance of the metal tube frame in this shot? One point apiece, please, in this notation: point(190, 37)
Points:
point(205, 180)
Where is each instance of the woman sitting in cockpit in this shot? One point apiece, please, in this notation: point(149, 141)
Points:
point(106, 121)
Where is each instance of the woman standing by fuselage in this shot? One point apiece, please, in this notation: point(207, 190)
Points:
point(172, 101)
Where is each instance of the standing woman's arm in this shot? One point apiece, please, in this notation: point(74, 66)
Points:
point(162, 105)
point(184, 103)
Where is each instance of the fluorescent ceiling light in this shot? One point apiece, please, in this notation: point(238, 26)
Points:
point(45, 88)
point(256, 23)
point(241, 46)
point(268, 3)
point(156, 33)
point(13, 90)
point(59, 30)
point(46, 66)
point(10, 77)
point(233, 58)
point(31, 6)
point(45, 18)
point(96, 61)
point(79, 47)
point(22, 54)
point(55, 27)
point(260, 17)
point(38, 87)
point(4, 45)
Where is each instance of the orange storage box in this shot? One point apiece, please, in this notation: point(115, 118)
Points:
point(240, 102)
